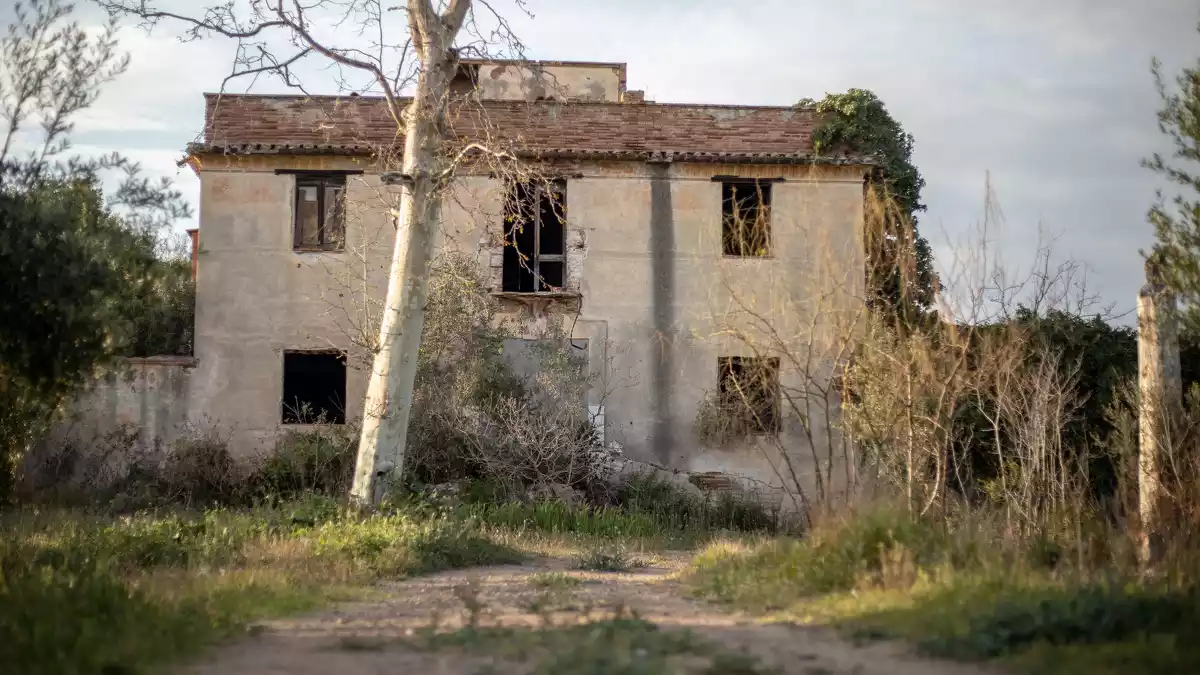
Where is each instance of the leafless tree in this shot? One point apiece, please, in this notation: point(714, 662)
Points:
point(272, 38)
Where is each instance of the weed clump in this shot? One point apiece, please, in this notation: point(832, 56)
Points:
point(553, 580)
point(609, 560)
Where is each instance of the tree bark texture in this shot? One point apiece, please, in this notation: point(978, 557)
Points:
point(388, 404)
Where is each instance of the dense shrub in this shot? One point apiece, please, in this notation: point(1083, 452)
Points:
point(675, 507)
point(1074, 615)
point(475, 417)
point(317, 460)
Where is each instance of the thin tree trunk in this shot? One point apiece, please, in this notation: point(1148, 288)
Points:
point(388, 404)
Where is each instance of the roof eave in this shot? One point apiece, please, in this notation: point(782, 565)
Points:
point(194, 149)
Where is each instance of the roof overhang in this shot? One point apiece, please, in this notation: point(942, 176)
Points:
point(242, 149)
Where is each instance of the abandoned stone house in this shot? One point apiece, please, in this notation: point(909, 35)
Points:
point(644, 263)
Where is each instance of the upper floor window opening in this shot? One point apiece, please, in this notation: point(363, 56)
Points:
point(748, 393)
point(319, 217)
point(746, 218)
point(535, 237)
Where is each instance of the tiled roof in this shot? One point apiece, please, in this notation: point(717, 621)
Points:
point(255, 124)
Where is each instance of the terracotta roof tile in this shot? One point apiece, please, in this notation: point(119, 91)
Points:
point(356, 125)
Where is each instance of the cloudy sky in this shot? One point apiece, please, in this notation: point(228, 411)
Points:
point(1051, 98)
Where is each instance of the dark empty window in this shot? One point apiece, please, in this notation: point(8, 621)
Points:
point(314, 388)
point(748, 389)
point(320, 212)
point(746, 218)
point(534, 237)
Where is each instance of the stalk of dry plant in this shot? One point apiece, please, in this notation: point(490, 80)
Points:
point(871, 400)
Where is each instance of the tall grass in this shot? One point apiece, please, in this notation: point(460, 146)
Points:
point(644, 507)
point(85, 594)
point(963, 592)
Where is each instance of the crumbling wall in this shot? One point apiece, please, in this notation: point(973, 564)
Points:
point(544, 80)
point(147, 395)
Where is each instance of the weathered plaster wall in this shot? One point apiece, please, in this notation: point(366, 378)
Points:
point(531, 82)
point(256, 297)
point(660, 303)
point(673, 304)
point(150, 395)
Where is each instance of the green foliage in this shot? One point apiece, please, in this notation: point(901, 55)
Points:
point(644, 506)
point(837, 557)
point(70, 274)
point(1083, 615)
point(98, 624)
point(319, 460)
point(163, 312)
point(1098, 357)
point(85, 594)
point(559, 518)
point(901, 277)
point(79, 277)
point(673, 506)
point(71, 271)
point(961, 588)
point(400, 544)
point(1176, 252)
point(553, 580)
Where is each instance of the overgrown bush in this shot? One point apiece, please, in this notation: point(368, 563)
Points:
point(1074, 615)
point(319, 460)
point(163, 313)
point(675, 507)
point(877, 547)
point(474, 417)
point(198, 470)
point(74, 471)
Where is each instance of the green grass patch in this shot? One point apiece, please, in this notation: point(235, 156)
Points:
point(82, 593)
point(956, 598)
point(622, 645)
point(554, 580)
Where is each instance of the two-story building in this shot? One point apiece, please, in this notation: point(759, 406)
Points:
point(646, 266)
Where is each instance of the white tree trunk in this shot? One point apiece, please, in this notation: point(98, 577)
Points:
point(381, 447)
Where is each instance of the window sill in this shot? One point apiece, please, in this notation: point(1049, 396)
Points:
point(317, 249)
point(549, 295)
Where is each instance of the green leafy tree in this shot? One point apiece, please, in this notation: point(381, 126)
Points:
point(1176, 221)
point(900, 275)
point(80, 278)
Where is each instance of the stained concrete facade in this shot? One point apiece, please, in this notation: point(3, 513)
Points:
point(647, 285)
point(542, 80)
point(149, 395)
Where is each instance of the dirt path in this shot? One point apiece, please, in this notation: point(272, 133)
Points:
point(380, 636)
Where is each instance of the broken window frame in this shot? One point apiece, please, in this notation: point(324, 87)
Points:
point(755, 413)
point(322, 182)
point(293, 413)
point(531, 262)
point(735, 231)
